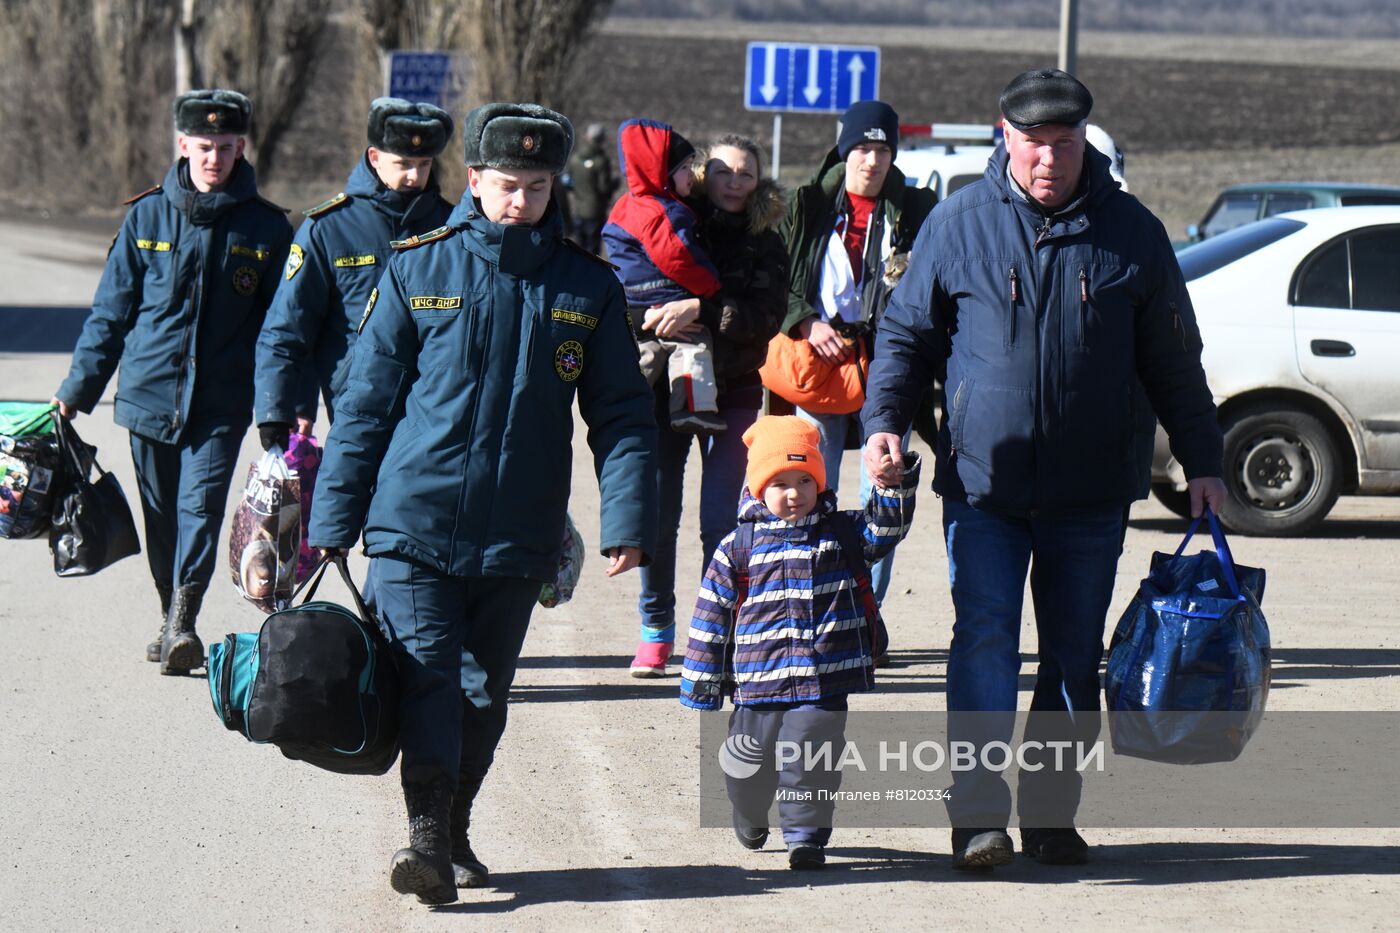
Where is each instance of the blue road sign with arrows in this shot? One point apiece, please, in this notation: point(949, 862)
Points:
point(810, 78)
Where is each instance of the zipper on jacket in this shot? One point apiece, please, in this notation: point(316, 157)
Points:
point(191, 297)
point(1178, 328)
point(1083, 308)
point(1011, 315)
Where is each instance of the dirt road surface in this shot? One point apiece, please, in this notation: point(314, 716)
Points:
point(128, 806)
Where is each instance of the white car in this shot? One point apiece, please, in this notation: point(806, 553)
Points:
point(945, 156)
point(1300, 317)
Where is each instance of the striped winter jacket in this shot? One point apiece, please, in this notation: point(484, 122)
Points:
point(802, 633)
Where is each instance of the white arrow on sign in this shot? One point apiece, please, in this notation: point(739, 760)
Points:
point(768, 89)
point(855, 68)
point(813, 90)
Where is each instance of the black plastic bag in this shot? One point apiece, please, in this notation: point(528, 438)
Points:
point(92, 524)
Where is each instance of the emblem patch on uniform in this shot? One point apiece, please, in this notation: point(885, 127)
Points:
point(354, 262)
point(434, 303)
point(574, 317)
point(527, 143)
point(369, 306)
point(155, 246)
point(294, 260)
point(568, 360)
point(245, 280)
point(238, 249)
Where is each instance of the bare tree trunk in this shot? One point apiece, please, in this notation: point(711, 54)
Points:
point(267, 51)
point(187, 76)
point(525, 50)
point(83, 83)
point(522, 50)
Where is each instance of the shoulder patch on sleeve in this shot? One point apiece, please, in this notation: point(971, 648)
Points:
point(421, 238)
point(593, 256)
point(330, 205)
point(136, 197)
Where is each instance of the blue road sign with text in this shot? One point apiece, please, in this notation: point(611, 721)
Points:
point(422, 77)
point(810, 78)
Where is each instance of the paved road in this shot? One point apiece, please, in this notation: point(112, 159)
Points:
point(127, 805)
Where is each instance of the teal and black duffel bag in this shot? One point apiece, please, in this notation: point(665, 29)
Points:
point(318, 681)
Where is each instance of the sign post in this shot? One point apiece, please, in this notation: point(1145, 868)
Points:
point(792, 78)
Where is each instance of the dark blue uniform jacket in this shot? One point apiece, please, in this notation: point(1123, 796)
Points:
point(336, 260)
point(1045, 326)
point(188, 280)
point(452, 442)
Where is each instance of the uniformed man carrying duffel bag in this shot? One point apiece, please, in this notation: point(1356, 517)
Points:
point(451, 451)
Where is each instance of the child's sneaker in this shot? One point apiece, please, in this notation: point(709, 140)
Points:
point(651, 659)
point(698, 422)
point(804, 856)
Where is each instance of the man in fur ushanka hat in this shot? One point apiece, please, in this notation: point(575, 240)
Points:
point(337, 258)
point(451, 454)
point(189, 276)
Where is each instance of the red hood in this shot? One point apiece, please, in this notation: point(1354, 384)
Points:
point(643, 149)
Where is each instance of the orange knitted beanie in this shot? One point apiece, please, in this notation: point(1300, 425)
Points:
point(782, 442)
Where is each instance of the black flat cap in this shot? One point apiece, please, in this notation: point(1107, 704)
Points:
point(211, 112)
point(404, 128)
point(517, 136)
point(1045, 95)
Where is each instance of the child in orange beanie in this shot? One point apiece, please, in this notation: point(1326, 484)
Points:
point(794, 581)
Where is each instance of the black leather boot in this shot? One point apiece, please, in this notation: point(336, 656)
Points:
point(425, 867)
point(467, 869)
point(153, 649)
point(181, 651)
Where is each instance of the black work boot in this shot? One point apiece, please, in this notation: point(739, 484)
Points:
point(181, 651)
point(153, 649)
point(425, 867)
point(468, 870)
point(1055, 846)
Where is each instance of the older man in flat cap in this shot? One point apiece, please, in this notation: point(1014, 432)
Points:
point(1043, 295)
point(188, 281)
point(451, 452)
point(336, 260)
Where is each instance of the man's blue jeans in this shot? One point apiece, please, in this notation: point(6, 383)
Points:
point(833, 446)
point(1072, 562)
point(723, 459)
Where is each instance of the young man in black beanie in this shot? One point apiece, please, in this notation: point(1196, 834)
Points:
point(848, 233)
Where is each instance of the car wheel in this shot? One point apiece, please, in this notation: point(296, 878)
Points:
point(1281, 471)
point(1176, 500)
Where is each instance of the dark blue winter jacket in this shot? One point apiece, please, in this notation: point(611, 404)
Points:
point(452, 444)
point(336, 259)
point(188, 281)
point(1044, 325)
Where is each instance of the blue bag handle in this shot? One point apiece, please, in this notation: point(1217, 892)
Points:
point(1222, 548)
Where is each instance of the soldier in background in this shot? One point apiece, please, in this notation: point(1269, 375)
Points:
point(188, 281)
point(336, 260)
point(591, 172)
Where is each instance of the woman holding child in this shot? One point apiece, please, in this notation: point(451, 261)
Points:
point(737, 214)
